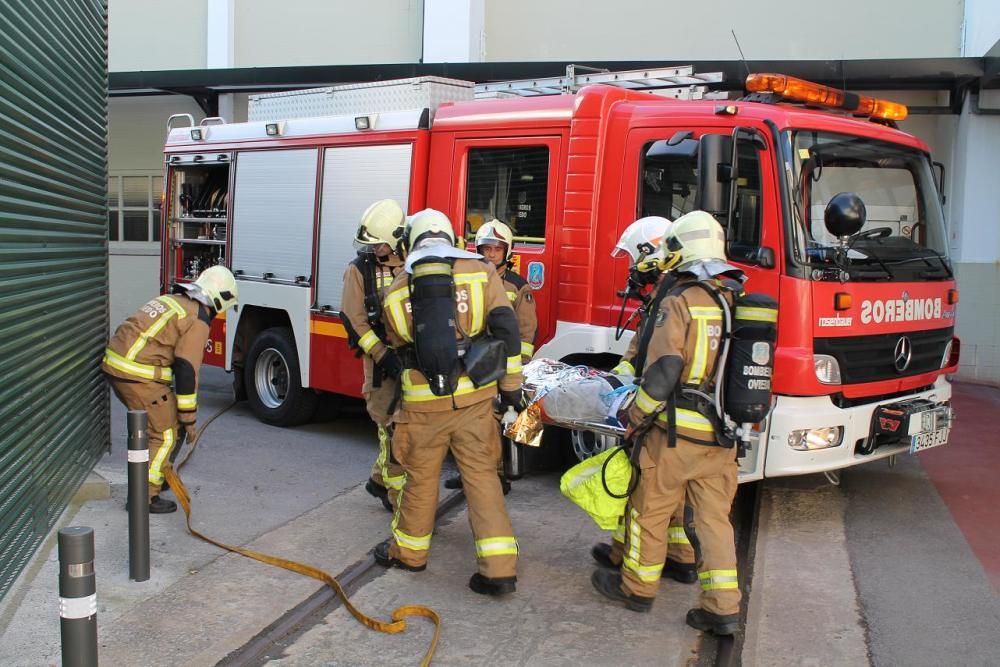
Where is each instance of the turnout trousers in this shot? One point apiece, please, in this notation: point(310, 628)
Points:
point(679, 547)
point(385, 471)
point(160, 404)
point(420, 442)
point(708, 477)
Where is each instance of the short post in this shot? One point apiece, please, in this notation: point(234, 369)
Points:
point(138, 496)
point(77, 597)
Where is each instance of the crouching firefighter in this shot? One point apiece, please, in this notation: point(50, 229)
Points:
point(366, 281)
point(688, 446)
point(642, 242)
point(450, 319)
point(164, 342)
point(495, 242)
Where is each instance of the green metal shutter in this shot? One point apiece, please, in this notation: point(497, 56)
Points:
point(53, 263)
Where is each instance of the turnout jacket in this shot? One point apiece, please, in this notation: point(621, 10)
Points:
point(481, 306)
point(162, 341)
point(683, 350)
point(353, 307)
point(523, 303)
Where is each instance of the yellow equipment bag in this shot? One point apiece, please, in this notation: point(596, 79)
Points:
point(588, 483)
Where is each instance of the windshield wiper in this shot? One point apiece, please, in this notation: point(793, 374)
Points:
point(933, 253)
point(874, 255)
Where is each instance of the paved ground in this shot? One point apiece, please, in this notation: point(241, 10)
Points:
point(891, 568)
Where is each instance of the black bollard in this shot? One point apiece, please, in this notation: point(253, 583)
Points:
point(77, 597)
point(138, 496)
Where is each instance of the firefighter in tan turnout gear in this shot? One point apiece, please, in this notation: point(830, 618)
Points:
point(450, 319)
point(495, 241)
point(679, 453)
point(366, 282)
point(642, 242)
point(163, 342)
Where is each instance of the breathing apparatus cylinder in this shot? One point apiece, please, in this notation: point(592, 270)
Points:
point(750, 361)
point(513, 454)
point(432, 298)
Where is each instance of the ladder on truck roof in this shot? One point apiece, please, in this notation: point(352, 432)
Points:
point(680, 82)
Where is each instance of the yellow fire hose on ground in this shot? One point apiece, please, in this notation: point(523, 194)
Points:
point(399, 614)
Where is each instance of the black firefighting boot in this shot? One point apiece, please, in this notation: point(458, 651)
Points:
point(383, 558)
point(380, 492)
point(685, 573)
point(609, 584)
point(456, 483)
point(717, 624)
point(158, 505)
point(602, 554)
point(492, 586)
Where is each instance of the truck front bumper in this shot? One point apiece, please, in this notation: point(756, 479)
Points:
point(798, 413)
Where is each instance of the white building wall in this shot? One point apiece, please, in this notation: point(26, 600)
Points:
point(137, 129)
point(156, 35)
point(328, 32)
point(981, 28)
point(769, 29)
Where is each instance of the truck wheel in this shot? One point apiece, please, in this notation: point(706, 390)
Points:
point(587, 444)
point(273, 381)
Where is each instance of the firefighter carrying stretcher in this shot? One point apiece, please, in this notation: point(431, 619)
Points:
point(680, 453)
point(449, 318)
point(366, 282)
point(642, 242)
point(164, 342)
point(495, 241)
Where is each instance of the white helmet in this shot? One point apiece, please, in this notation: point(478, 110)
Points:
point(381, 223)
point(642, 240)
point(695, 236)
point(495, 232)
point(218, 287)
point(425, 225)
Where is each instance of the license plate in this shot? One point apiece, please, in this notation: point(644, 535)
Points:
point(922, 441)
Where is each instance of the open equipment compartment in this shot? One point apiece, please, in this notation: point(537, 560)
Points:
point(197, 213)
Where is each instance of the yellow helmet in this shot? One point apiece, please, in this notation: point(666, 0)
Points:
point(381, 223)
point(219, 286)
point(427, 224)
point(495, 232)
point(694, 237)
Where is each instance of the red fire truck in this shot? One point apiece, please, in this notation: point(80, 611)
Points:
point(865, 325)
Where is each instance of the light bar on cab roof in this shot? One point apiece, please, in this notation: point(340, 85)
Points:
point(808, 92)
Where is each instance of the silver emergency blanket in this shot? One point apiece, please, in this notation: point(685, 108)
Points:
point(567, 393)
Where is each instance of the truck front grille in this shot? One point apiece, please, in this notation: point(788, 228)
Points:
point(870, 358)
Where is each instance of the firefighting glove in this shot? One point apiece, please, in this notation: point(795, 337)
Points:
point(391, 364)
point(190, 431)
point(513, 398)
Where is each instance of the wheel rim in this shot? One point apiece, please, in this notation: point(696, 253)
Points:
point(271, 378)
point(587, 444)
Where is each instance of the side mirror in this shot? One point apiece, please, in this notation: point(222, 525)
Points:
point(845, 215)
point(714, 153)
point(765, 258)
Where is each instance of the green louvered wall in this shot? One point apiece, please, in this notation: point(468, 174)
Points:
point(53, 263)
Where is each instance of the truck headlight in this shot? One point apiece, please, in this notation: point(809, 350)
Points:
point(827, 369)
point(946, 357)
point(809, 439)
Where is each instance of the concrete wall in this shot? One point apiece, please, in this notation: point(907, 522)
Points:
point(981, 29)
point(772, 29)
point(156, 35)
point(137, 129)
point(332, 32)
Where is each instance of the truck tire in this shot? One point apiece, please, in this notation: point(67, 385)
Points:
point(273, 381)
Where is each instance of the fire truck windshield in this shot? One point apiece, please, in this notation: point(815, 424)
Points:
point(903, 237)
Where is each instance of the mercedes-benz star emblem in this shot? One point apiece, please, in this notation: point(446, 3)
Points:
point(903, 354)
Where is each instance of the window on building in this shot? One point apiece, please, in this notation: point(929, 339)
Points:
point(511, 185)
point(134, 208)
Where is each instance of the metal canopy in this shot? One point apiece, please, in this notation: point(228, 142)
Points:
point(955, 75)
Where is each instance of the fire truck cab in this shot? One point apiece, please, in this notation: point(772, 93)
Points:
point(865, 329)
